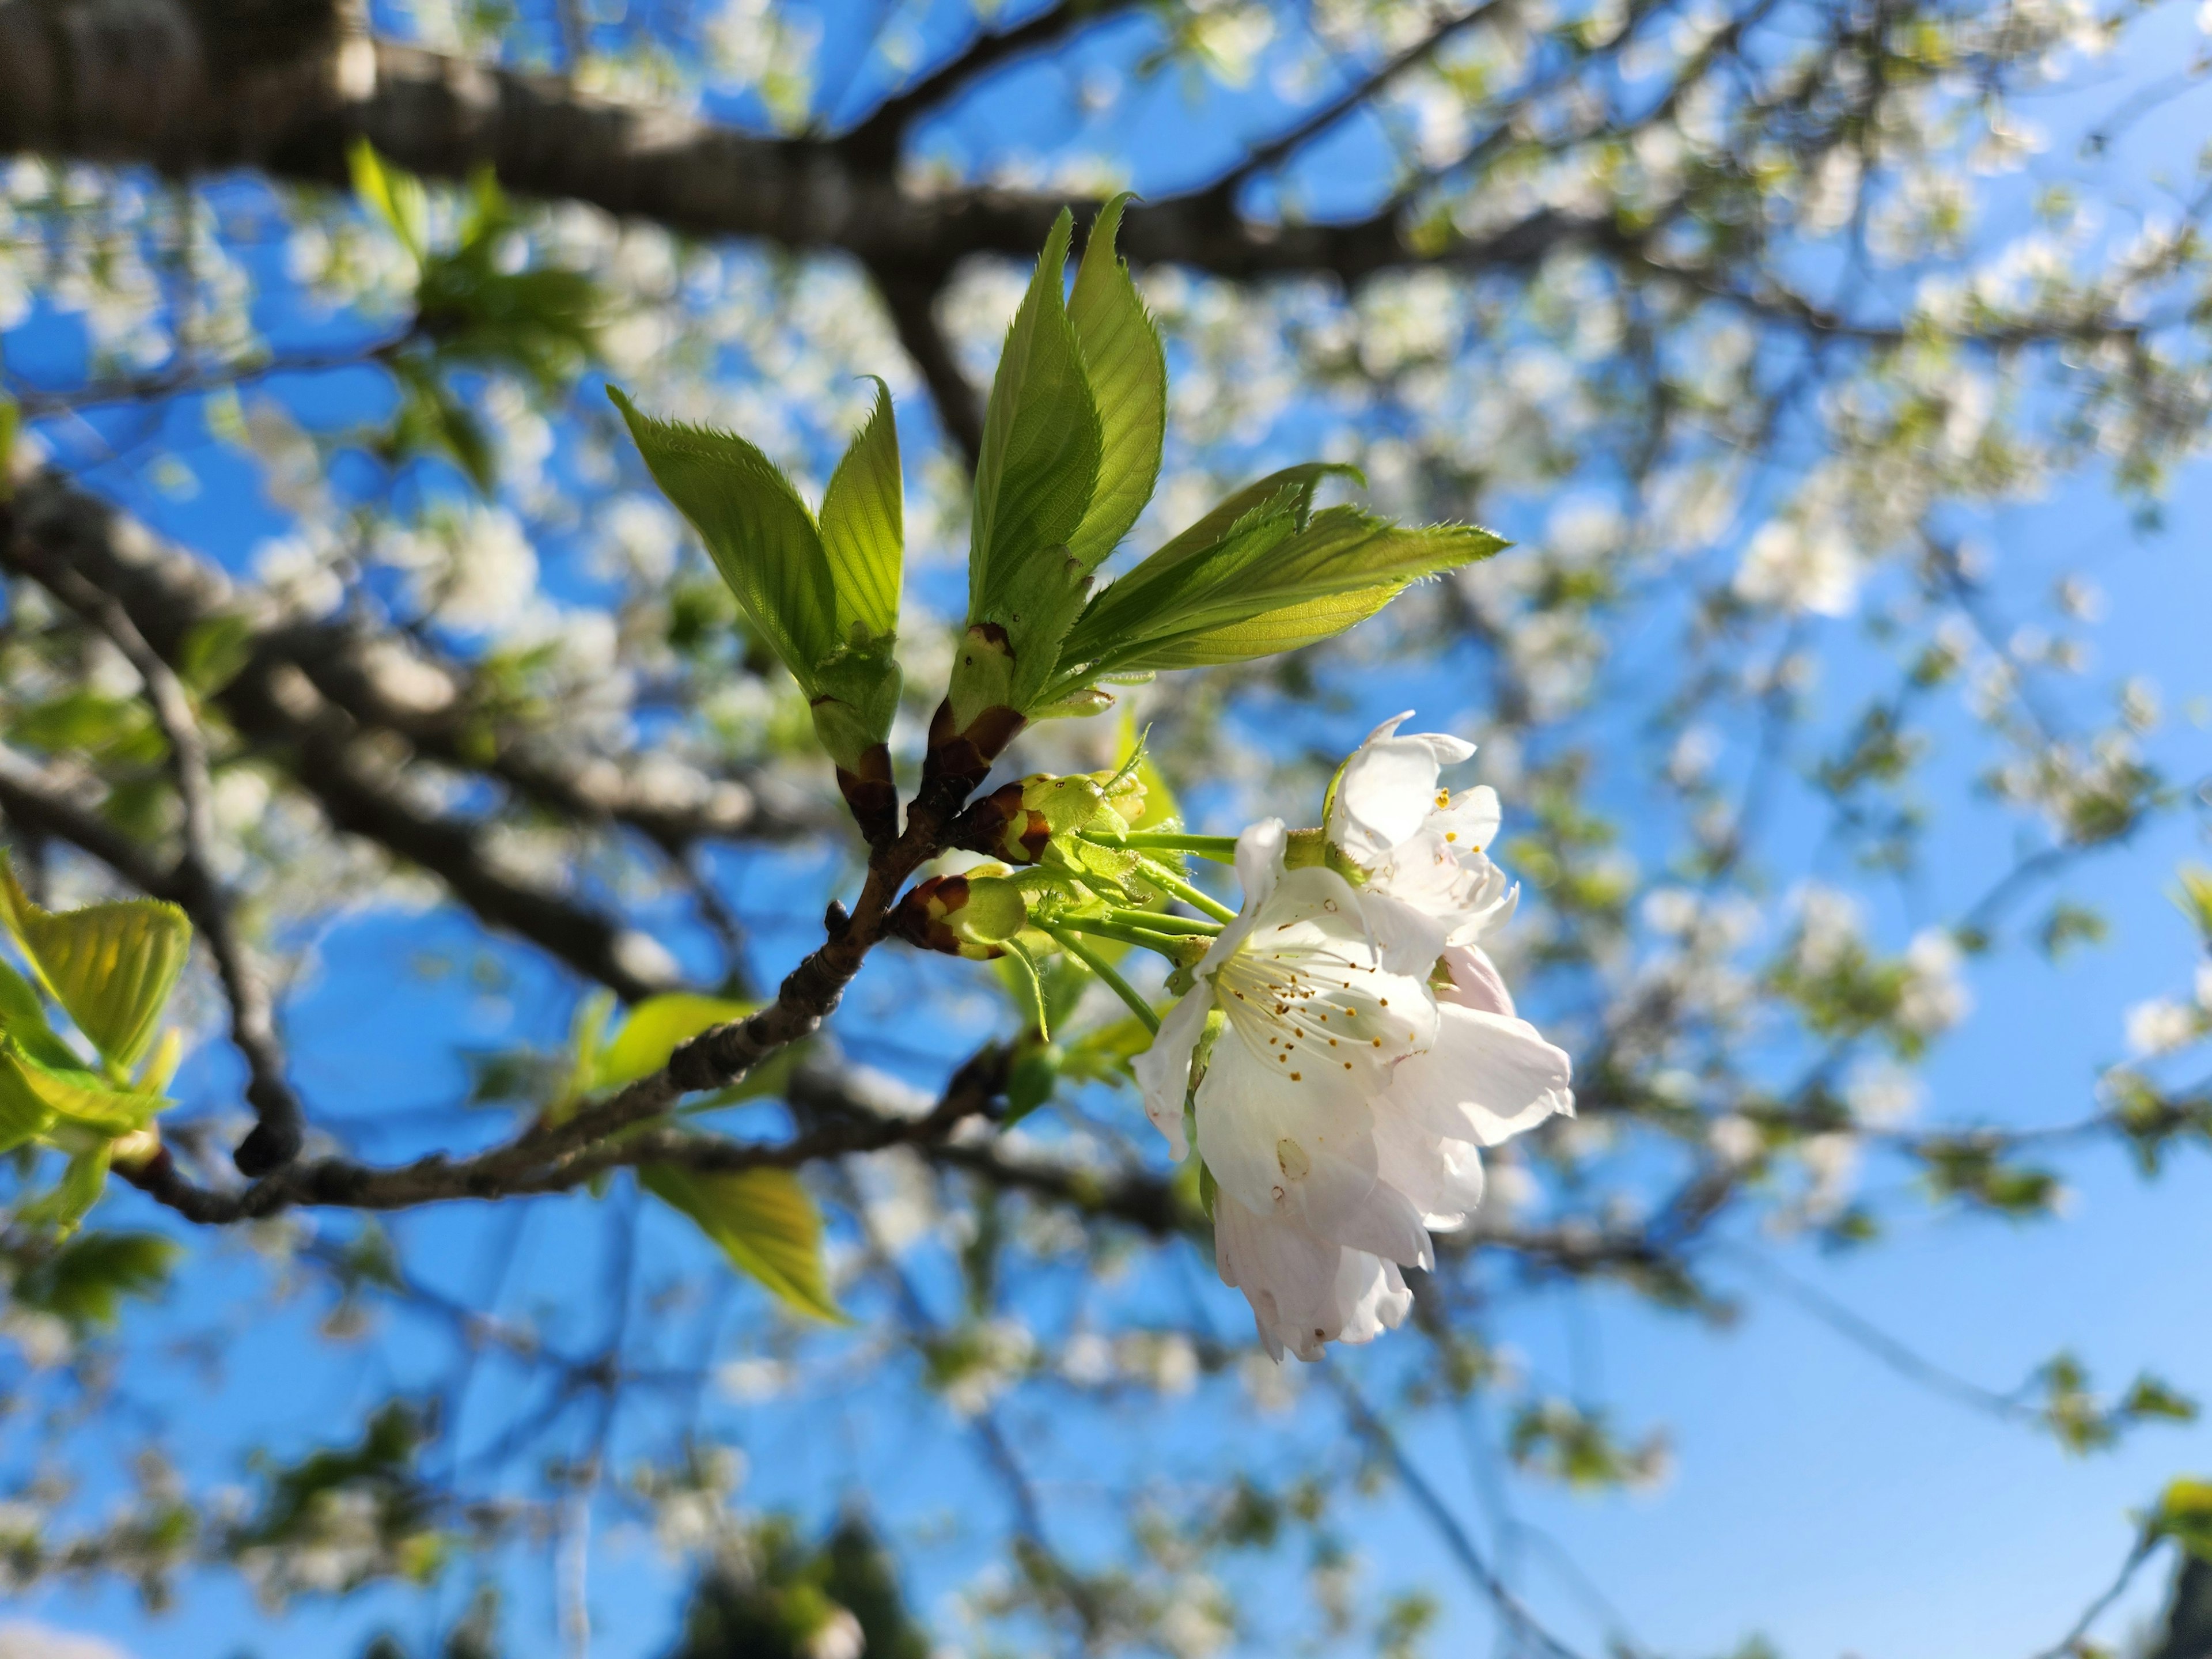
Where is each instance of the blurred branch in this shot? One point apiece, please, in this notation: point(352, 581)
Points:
point(877, 138)
point(279, 1130)
point(1267, 156)
point(911, 297)
point(1525, 1626)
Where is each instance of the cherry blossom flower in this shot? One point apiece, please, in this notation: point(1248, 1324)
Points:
point(1344, 1099)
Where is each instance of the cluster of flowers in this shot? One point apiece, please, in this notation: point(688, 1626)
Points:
point(1367, 1047)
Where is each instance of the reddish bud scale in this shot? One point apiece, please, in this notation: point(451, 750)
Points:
point(873, 796)
point(1000, 825)
point(922, 919)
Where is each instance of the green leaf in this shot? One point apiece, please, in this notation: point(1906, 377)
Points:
point(83, 1180)
point(1030, 1082)
point(215, 649)
point(1128, 376)
point(394, 196)
point(1041, 441)
point(23, 1117)
point(110, 966)
point(77, 1096)
point(656, 1027)
point(764, 1223)
point(2185, 1515)
point(1275, 580)
point(863, 526)
point(84, 1282)
point(11, 422)
point(1271, 633)
point(23, 1017)
point(762, 539)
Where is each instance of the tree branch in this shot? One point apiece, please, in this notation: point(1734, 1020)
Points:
point(875, 140)
point(278, 1128)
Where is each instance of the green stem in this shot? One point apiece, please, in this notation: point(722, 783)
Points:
point(1098, 966)
point(1160, 922)
point(1220, 848)
point(1166, 943)
point(1188, 894)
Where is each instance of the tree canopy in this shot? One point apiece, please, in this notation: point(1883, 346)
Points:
point(563, 558)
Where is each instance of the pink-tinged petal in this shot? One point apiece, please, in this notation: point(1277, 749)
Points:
point(1487, 1079)
point(1163, 1069)
point(1304, 1291)
point(1475, 981)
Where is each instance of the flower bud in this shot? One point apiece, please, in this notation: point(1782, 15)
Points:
point(964, 915)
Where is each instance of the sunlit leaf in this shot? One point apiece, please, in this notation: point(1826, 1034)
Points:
point(653, 1031)
point(863, 526)
point(2185, 1515)
point(110, 966)
point(1041, 440)
point(77, 1096)
point(23, 1017)
point(762, 539)
point(1128, 376)
point(395, 195)
point(763, 1221)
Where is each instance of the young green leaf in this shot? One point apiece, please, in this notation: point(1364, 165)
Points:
point(1275, 579)
point(1041, 441)
point(84, 1282)
point(759, 531)
point(654, 1030)
point(764, 1223)
point(24, 1018)
point(110, 966)
point(863, 527)
point(83, 1179)
point(23, 1117)
point(74, 1097)
point(396, 197)
point(1128, 376)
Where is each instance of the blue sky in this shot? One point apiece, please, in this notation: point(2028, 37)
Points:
point(1816, 1496)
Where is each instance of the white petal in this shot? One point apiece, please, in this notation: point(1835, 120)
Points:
point(1475, 981)
point(1304, 1291)
point(1485, 1079)
point(1163, 1069)
point(1469, 823)
point(1388, 788)
point(1442, 1179)
point(1259, 867)
point(1288, 1275)
point(1407, 939)
point(1249, 1108)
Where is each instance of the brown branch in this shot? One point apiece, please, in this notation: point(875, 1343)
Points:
point(1279, 148)
point(275, 705)
point(910, 297)
point(876, 139)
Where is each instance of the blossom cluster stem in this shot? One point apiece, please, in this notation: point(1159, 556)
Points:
point(1162, 876)
point(1222, 849)
point(1159, 921)
point(1097, 964)
point(1150, 938)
